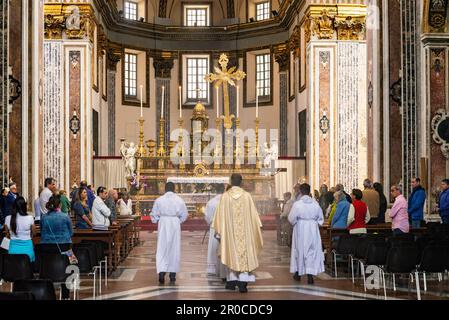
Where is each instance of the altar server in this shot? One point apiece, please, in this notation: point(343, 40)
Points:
point(238, 226)
point(307, 253)
point(214, 265)
point(169, 211)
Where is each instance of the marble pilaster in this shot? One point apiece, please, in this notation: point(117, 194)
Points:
point(53, 114)
point(4, 7)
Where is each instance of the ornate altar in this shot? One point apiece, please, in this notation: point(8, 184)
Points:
point(195, 173)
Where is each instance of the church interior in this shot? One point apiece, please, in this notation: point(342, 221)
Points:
point(132, 95)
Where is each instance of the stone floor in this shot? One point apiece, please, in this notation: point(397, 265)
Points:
point(136, 278)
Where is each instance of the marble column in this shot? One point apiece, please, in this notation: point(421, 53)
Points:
point(409, 32)
point(282, 57)
point(67, 143)
point(112, 60)
point(4, 94)
point(162, 69)
point(337, 149)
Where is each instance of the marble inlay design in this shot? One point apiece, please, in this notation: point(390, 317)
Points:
point(52, 115)
point(409, 17)
point(347, 115)
point(166, 84)
point(75, 106)
point(283, 105)
point(4, 91)
point(324, 100)
point(111, 111)
point(437, 98)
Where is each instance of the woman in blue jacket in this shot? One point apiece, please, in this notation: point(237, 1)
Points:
point(340, 218)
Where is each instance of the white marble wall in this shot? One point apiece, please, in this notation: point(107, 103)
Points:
point(351, 137)
point(52, 113)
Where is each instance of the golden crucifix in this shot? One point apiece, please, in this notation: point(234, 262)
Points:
point(224, 77)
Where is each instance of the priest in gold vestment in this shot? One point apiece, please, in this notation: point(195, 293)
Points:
point(238, 227)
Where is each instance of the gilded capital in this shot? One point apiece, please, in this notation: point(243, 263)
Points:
point(70, 21)
point(336, 22)
point(282, 56)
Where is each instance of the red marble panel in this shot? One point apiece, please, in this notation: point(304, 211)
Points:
point(324, 107)
point(395, 127)
point(437, 101)
point(15, 117)
point(75, 105)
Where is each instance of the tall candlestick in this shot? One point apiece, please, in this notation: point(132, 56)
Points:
point(218, 104)
point(162, 108)
point(180, 102)
point(237, 106)
point(257, 102)
point(141, 101)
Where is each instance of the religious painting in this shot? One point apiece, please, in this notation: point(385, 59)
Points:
point(292, 77)
point(302, 60)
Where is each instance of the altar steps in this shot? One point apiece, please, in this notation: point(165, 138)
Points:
point(199, 224)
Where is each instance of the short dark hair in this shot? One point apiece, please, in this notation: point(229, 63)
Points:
point(83, 184)
point(53, 203)
point(12, 184)
point(358, 194)
point(236, 179)
point(304, 189)
point(220, 188)
point(446, 181)
point(100, 190)
point(48, 181)
point(169, 187)
point(417, 179)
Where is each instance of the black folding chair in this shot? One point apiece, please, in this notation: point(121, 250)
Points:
point(16, 267)
point(41, 289)
point(401, 260)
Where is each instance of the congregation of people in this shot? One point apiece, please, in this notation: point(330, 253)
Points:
point(53, 212)
point(369, 206)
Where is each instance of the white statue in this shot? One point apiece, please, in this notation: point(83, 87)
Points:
point(128, 152)
point(270, 154)
point(73, 21)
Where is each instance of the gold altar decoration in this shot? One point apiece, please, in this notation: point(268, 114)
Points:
point(151, 145)
point(171, 147)
point(335, 22)
point(141, 148)
point(238, 151)
point(217, 151)
point(225, 76)
point(181, 151)
point(161, 149)
point(258, 165)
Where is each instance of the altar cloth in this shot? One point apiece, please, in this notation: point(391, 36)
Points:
point(184, 180)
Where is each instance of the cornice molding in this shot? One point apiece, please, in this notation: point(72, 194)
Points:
point(113, 22)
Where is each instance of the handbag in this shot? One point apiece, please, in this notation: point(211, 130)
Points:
point(5, 243)
point(69, 253)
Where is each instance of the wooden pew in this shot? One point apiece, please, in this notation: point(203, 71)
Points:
point(106, 236)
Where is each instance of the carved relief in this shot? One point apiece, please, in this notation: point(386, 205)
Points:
point(440, 128)
point(332, 24)
point(76, 22)
point(282, 56)
point(437, 15)
point(350, 29)
point(162, 67)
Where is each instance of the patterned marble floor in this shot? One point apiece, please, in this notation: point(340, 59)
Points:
point(136, 278)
